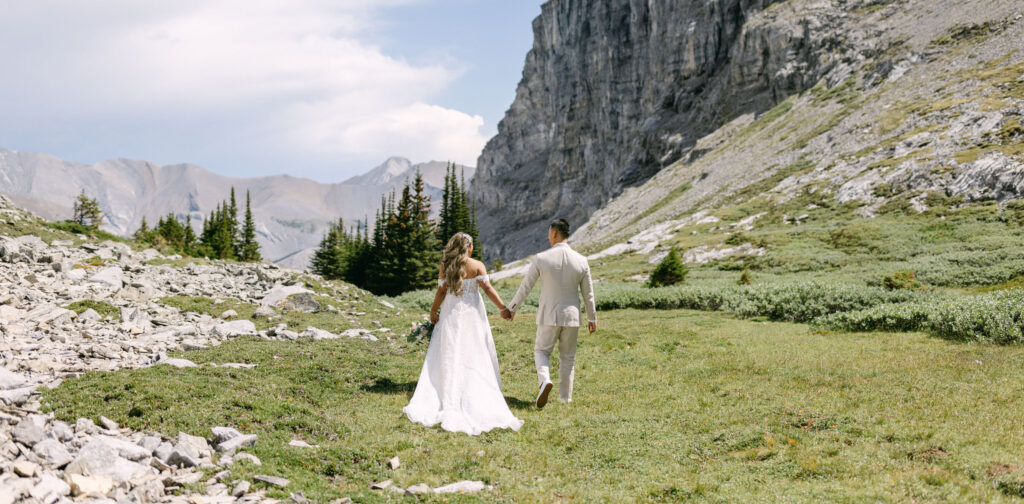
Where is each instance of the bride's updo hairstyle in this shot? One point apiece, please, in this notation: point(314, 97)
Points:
point(455, 254)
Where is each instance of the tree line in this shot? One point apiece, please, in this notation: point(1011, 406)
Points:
point(404, 248)
point(222, 236)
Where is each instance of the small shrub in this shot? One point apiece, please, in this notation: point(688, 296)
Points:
point(902, 280)
point(670, 271)
point(497, 265)
point(103, 308)
point(744, 278)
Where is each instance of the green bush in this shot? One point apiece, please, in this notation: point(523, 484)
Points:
point(902, 280)
point(670, 271)
point(996, 317)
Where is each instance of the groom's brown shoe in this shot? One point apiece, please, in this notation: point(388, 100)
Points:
point(542, 397)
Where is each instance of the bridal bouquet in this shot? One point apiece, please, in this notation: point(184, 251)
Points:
point(420, 332)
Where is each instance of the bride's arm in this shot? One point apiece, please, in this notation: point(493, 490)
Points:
point(438, 297)
point(492, 294)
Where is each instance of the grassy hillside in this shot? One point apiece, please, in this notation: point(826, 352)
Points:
point(671, 406)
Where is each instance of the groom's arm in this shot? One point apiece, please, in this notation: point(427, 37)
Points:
point(532, 273)
point(587, 288)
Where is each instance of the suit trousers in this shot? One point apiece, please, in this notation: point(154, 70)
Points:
point(565, 338)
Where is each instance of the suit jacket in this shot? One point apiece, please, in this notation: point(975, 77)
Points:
point(564, 274)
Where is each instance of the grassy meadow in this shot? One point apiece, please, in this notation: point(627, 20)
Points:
point(831, 378)
point(671, 406)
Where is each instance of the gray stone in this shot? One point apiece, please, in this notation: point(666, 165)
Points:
point(394, 463)
point(221, 434)
point(163, 452)
point(318, 334)
point(85, 425)
point(298, 498)
point(28, 432)
point(228, 314)
point(126, 449)
point(111, 276)
point(178, 363)
point(183, 455)
point(461, 487)
point(235, 328)
point(276, 481)
point(240, 489)
point(421, 488)
point(381, 485)
point(53, 452)
point(25, 468)
point(62, 431)
point(303, 302)
point(17, 397)
point(10, 380)
point(199, 444)
point(264, 311)
point(279, 293)
point(50, 488)
point(108, 423)
point(150, 443)
point(253, 459)
point(236, 443)
point(97, 458)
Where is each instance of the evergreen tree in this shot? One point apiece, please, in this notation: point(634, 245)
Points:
point(670, 271)
point(250, 249)
point(189, 245)
point(423, 248)
point(329, 259)
point(232, 224)
point(87, 212)
point(142, 234)
point(457, 214)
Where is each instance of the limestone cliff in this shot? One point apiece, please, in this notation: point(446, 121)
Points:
point(615, 90)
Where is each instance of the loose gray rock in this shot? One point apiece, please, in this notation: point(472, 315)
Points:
point(10, 380)
point(111, 276)
point(303, 302)
point(97, 458)
point(28, 432)
point(462, 487)
point(236, 443)
point(235, 328)
point(53, 452)
point(240, 489)
point(272, 480)
point(85, 425)
point(178, 363)
point(108, 423)
point(221, 434)
point(50, 488)
point(418, 489)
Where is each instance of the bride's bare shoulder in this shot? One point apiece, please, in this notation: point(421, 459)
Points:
point(476, 267)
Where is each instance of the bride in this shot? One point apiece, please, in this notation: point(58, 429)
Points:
point(459, 386)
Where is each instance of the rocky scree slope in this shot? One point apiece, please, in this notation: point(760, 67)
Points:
point(933, 119)
point(44, 341)
point(615, 90)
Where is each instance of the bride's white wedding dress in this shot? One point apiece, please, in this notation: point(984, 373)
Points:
point(459, 386)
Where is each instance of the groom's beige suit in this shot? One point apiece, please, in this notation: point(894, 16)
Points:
point(564, 274)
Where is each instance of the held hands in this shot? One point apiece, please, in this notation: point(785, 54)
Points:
point(433, 317)
point(507, 314)
point(592, 326)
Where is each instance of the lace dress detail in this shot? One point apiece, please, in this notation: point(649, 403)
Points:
point(460, 384)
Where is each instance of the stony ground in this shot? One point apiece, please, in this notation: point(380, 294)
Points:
point(75, 305)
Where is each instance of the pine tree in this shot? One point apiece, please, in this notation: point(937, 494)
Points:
point(670, 271)
point(87, 212)
point(250, 249)
point(142, 234)
point(189, 245)
point(457, 214)
point(329, 259)
point(423, 249)
point(232, 224)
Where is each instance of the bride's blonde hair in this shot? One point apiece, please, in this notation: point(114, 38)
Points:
point(455, 255)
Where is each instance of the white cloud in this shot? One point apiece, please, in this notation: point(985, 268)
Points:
point(292, 76)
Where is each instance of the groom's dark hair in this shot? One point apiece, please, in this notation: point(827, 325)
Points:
point(561, 226)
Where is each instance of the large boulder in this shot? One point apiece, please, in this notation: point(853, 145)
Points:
point(235, 328)
point(9, 380)
point(279, 293)
point(111, 276)
point(98, 459)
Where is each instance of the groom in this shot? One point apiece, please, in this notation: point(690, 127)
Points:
point(564, 274)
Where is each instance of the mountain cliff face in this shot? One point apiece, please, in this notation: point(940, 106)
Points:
point(615, 90)
point(291, 213)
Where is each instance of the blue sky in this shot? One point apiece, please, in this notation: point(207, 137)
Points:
point(324, 89)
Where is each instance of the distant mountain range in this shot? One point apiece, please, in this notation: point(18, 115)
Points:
point(291, 213)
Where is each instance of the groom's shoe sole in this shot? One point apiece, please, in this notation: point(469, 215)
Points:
point(542, 398)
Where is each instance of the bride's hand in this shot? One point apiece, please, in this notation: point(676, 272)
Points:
point(433, 317)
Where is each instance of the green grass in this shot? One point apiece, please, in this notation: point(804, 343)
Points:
point(670, 406)
point(104, 308)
